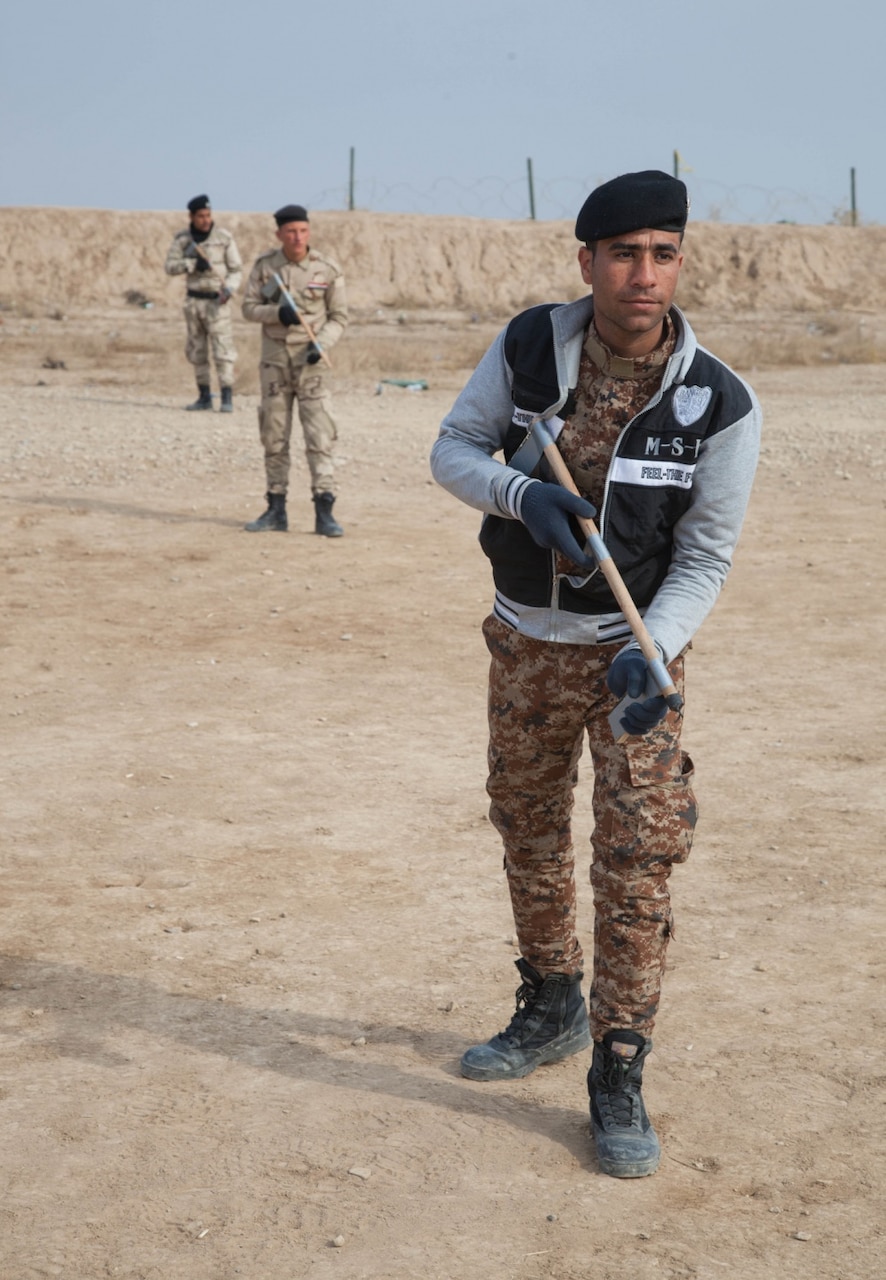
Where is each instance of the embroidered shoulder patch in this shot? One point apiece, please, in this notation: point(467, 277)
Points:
point(690, 403)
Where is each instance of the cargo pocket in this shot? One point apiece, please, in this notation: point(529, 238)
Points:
point(650, 822)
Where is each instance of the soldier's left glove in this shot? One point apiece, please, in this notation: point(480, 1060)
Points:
point(314, 354)
point(629, 674)
point(202, 264)
point(286, 315)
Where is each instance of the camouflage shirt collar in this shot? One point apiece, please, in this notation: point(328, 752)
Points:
point(626, 366)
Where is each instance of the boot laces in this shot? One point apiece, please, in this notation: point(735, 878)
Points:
point(527, 995)
point(619, 1093)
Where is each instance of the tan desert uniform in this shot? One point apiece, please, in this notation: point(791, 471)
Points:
point(207, 317)
point(317, 287)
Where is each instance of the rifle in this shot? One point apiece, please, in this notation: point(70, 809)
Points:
point(290, 302)
point(224, 292)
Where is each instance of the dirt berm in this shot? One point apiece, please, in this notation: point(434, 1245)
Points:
point(93, 256)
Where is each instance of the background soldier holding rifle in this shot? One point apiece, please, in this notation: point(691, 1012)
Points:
point(662, 438)
point(298, 297)
point(209, 258)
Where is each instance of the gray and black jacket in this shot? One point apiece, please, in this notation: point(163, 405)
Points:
point(676, 490)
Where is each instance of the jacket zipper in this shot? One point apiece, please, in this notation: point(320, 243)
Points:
point(604, 508)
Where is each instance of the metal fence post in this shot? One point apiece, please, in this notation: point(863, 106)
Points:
point(853, 210)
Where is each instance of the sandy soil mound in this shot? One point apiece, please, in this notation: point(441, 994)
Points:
point(65, 257)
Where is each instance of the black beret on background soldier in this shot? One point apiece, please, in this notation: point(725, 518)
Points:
point(208, 256)
point(298, 297)
point(608, 404)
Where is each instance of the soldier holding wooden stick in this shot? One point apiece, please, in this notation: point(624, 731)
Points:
point(662, 439)
point(209, 257)
point(298, 296)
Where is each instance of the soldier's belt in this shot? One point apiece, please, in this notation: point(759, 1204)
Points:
point(211, 297)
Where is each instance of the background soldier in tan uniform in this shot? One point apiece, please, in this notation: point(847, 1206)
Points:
point(209, 258)
point(291, 365)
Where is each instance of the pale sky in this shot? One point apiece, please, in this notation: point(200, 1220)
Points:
point(770, 104)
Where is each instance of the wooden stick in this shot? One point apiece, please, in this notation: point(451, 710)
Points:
point(290, 302)
point(610, 572)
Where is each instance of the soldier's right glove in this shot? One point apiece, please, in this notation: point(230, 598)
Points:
point(545, 510)
point(628, 673)
point(287, 315)
point(202, 264)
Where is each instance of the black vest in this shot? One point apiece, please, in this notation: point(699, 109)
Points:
point(649, 486)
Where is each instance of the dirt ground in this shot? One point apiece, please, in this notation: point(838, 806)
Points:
point(252, 909)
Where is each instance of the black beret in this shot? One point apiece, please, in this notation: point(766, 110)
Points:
point(198, 203)
point(291, 213)
point(631, 202)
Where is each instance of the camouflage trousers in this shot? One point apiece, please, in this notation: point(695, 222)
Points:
point(281, 386)
point(543, 698)
point(209, 326)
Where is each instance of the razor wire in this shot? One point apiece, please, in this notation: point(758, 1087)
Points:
point(560, 198)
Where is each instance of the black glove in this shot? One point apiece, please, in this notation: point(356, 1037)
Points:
point(314, 353)
point(287, 315)
point(545, 510)
point(629, 674)
point(202, 264)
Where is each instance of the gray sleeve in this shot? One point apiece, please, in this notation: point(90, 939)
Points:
point(706, 536)
point(472, 432)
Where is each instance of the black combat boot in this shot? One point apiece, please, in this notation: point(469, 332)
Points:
point(550, 1023)
point(204, 400)
point(627, 1146)
point(227, 401)
point(325, 522)
point(274, 519)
